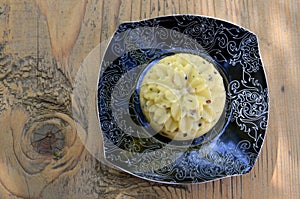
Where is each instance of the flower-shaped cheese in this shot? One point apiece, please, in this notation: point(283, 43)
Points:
point(182, 96)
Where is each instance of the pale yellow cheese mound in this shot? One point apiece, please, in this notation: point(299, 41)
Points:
point(182, 96)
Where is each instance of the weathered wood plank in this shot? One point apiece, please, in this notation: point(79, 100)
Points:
point(43, 45)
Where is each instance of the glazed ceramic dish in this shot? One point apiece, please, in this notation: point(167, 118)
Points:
point(230, 148)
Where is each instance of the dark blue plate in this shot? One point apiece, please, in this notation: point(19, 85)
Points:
point(230, 148)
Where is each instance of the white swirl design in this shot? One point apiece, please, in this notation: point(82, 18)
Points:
point(127, 141)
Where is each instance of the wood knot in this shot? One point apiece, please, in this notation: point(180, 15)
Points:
point(48, 140)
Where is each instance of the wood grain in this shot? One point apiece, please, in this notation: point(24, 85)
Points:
point(64, 20)
point(44, 45)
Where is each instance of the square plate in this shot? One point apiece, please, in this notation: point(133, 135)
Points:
point(128, 142)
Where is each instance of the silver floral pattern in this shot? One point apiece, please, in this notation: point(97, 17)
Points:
point(129, 142)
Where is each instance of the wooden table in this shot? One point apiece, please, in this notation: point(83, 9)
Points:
point(43, 44)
